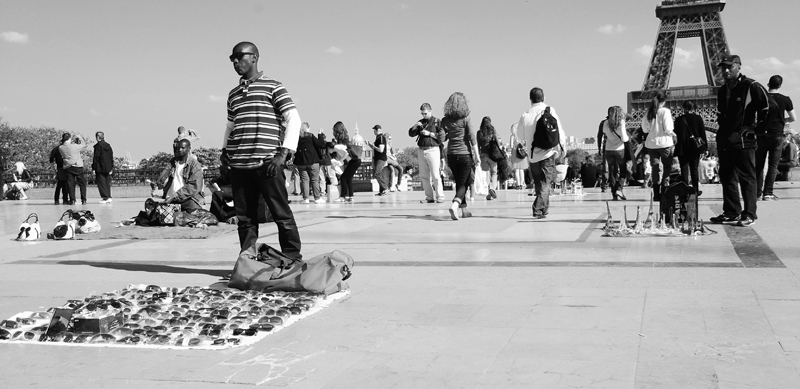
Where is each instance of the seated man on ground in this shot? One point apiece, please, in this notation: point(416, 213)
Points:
point(789, 158)
point(182, 180)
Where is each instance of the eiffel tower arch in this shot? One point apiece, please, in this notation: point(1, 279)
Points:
point(684, 19)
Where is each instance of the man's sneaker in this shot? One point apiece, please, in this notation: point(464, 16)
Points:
point(746, 221)
point(493, 193)
point(106, 201)
point(305, 201)
point(427, 201)
point(440, 200)
point(724, 219)
point(382, 193)
point(320, 201)
point(769, 197)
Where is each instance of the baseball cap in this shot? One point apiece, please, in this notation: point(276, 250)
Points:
point(377, 127)
point(730, 60)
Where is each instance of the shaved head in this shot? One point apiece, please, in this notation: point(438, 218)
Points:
point(245, 47)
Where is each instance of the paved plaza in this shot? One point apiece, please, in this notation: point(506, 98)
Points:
point(498, 300)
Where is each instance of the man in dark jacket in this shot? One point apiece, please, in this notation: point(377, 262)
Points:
point(61, 176)
point(742, 104)
point(103, 166)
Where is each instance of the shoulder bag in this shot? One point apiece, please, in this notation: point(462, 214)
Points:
point(30, 230)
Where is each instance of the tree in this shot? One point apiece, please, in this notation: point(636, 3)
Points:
point(32, 146)
point(408, 157)
point(575, 158)
point(156, 162)
point(208, 156)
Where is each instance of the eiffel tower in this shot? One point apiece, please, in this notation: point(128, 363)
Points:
point(684, 19)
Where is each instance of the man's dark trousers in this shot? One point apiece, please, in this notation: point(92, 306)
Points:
point(103, 181)
point(769, 150)
point(248, 186)
point(737, 169)
point(75, 176)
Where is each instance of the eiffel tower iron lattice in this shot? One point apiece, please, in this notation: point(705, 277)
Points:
point(684, 19)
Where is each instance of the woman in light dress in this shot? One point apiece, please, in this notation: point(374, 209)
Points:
point(518, 164)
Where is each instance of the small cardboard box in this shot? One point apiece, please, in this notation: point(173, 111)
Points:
point(99, 325)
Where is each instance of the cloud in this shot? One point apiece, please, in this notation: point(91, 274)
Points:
point(14, 37)
point(685, 58)
point(216, 99)
point(334, 50)
point(7, 109)
point(796, 63)
point(95, 112)
point(644, 53)
point(612, 29)
point(770, 63)
point(403, 5)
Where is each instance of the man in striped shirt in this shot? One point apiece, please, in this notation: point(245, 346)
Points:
point(263, 127)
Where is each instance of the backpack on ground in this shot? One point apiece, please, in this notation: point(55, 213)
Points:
point(545, 136)
point(264, 268)
point(13, 194)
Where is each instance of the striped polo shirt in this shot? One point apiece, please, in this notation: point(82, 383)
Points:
point(256, 109)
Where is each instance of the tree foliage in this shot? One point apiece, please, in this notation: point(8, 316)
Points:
point(575, 158)
point(32, 146)
point(208, 157)
point(408, 157)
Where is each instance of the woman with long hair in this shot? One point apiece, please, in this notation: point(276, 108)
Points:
point(688, 128)
point(660, 143)
point(349, 153)
point(22, 180)
point(462, 150)
point(616, 135)
point(486, 135)
point(518, 164)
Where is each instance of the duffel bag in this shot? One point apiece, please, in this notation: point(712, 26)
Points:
point(267, 269)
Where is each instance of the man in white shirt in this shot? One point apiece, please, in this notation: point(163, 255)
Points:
point(542, 159)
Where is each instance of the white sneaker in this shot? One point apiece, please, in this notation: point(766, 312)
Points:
point(320, 201)
point(106, 201)
point(305, 201)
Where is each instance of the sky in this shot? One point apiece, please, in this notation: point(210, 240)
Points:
point(139, 69)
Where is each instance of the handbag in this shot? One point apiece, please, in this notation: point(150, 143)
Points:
point(264, 268)
point(496, 154)
point(520, 151)
point(28, 230)
point(698, 144)
point(87, 224)
point(65, 228)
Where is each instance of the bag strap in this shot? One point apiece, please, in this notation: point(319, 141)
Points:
point(27, 219)
point(67, 212)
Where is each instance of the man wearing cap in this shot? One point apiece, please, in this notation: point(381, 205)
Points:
point(742, 104)
point(379, 160)
point(263, 127)
point(429, 140)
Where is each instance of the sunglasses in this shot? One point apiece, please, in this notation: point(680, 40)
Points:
point(238, 56)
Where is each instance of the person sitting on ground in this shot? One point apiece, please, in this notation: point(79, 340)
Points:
point(22, 181)
point(183, 178)
point(588, 172)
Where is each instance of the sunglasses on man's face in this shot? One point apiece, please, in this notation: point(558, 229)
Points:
point(238, 56)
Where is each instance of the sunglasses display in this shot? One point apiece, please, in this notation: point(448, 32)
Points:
point(166, 317)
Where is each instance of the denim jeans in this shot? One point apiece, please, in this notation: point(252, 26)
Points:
point(737, 169)
point(768, 152)
point(309, 173)
point(487, 165)
point(617, 169)
point(347, 177)
point(430, 163)
point(543, 173)
point(75, 176)
point(248, 186)
point(661, 161)
point(380, 175)
point(462, 167)
point(689, 164)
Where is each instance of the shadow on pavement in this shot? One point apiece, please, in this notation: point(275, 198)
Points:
point(150, 268)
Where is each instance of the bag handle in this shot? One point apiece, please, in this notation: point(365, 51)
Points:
point(67, 212)
point(27, 219)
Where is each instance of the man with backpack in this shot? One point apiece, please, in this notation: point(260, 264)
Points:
point(543, 131)
point(743, 104)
